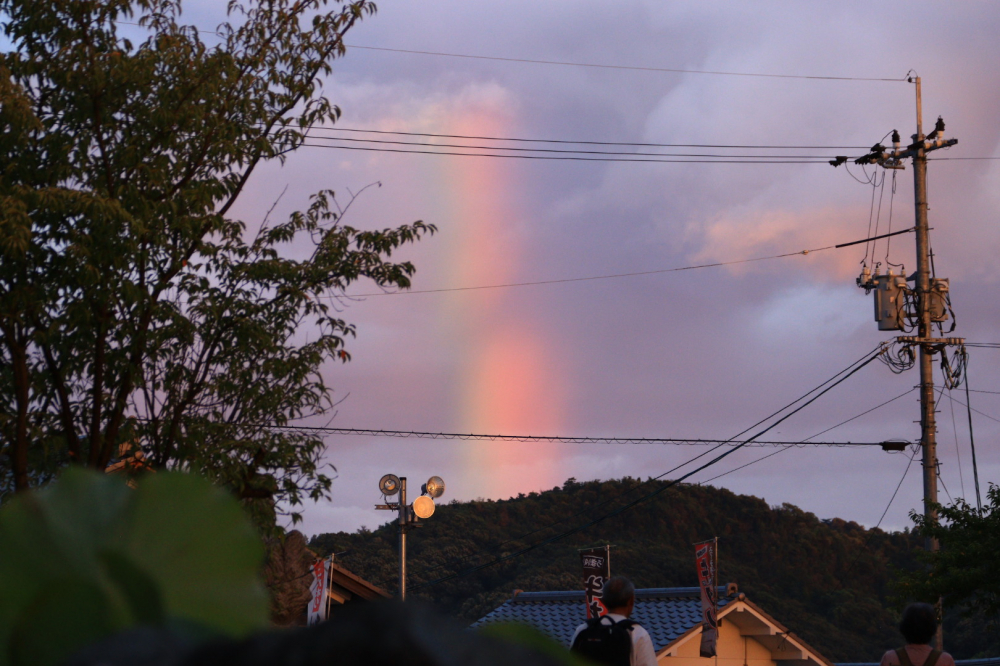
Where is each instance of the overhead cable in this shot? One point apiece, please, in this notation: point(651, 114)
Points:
point(580, 64)
point(563, 151)
point(617, 275)
point(478, 437)
point(806, 440)
point(671, 70)
point(586, 143)
point(592, 508)
point(497, 560)
point(569, 157)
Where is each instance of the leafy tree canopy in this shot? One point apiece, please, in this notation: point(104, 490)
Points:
point(965, 572)
point(135, 310)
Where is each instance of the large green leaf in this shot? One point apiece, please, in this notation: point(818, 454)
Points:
point(90, 556)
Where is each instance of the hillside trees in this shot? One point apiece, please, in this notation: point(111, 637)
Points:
point(827, 580)
point(135, 309)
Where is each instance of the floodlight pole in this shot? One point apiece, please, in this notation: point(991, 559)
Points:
point(403, 516)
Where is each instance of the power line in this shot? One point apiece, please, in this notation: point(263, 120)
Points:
point(629, 67)
point(592, 277)
point(855, 367)
point(598, 505)
point(871, 532)
point(564, 158)
point(894, 493)
point(478, 437)
point(992, 418)
point(587, 143)
point(806, 440)
point(619, 275)
point(563, 150)
point(904, 79)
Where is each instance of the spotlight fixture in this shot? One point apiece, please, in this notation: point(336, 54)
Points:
point(389, 485)
point(434, 487)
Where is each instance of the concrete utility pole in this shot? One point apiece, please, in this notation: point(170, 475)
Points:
point(928, 426)
point(924, 290)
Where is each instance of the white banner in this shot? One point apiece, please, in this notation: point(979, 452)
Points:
point(317, 605)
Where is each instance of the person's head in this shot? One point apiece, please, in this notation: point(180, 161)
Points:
point(619, 595)
point(918, 624)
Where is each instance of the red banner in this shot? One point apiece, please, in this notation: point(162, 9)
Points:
point(705, 562)
point(596, 572)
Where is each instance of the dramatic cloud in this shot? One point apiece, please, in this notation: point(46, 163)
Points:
point(702, 353)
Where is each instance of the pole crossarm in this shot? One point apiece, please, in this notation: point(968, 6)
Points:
point(937, 342)
point(893, 159)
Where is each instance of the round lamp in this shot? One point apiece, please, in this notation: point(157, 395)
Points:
point(389, 485)
point(423, 507)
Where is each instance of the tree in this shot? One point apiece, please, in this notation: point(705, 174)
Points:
point(135, 311)
point(966, 571)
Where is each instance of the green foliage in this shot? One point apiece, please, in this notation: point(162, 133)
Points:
point(965, 572)
point(827, 580)
point(531, 638)
point(88, 556)
point(135, 311)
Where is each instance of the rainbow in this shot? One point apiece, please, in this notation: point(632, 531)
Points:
point(505, 382)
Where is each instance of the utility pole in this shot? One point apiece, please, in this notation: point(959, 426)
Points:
point(928, 425)
point(925, 289)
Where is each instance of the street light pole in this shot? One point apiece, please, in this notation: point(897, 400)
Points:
point(404, 510)
point(409, 515)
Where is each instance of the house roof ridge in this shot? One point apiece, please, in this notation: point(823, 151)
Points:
point(640, 593)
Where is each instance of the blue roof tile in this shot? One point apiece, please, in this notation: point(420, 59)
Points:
point(665, 612)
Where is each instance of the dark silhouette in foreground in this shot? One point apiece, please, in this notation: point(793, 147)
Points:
point(918, 626)
point(380, 633)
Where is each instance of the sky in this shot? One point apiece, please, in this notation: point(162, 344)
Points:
point(699, 354)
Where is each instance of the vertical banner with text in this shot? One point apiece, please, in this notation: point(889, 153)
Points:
point(316, 612)
point(705, 563)
point(596, 572)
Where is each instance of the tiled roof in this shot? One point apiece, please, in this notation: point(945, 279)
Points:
point(665, 612)
point(986, 661)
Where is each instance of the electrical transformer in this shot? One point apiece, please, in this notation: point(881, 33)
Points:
point(889, 301)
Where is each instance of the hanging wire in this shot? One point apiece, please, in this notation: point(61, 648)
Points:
point(888, 241)
point(806, 440)
point(899, 356)
point(958, 451)
point(953, 369)
point(878, 213)
point(819, 391)
point(972, 443)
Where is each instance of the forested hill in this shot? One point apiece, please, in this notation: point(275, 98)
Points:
point(827, 580)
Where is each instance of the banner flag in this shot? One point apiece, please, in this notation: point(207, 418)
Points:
point(596, 572)
point(316, 612)
point(705, 562)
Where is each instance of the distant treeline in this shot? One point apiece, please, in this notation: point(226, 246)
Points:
point(828, 581)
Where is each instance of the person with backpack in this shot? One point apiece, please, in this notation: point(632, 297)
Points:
point(918, 626)
point(614, 639)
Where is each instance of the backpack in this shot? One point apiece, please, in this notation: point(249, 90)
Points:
point(604, 643)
